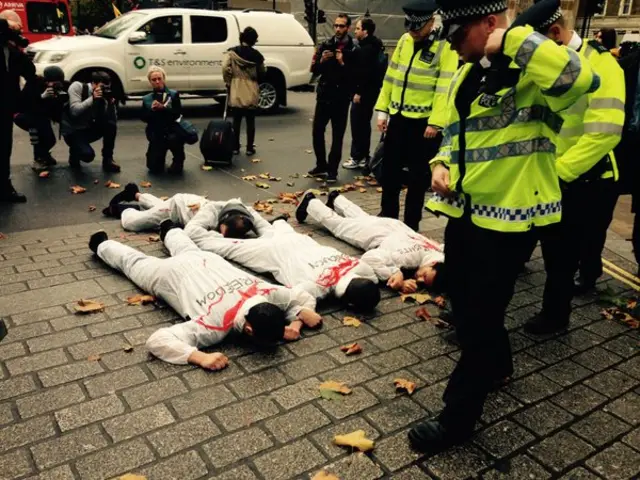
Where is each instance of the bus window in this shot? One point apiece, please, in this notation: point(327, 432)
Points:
point(44, 18)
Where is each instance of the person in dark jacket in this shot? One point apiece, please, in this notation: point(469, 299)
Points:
point(333, 61)
point(160, 111)
point(13, 65)
point(242, 70)
point(42, 101)
point(368, 75)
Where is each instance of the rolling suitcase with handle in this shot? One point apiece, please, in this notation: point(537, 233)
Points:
point(217, 142)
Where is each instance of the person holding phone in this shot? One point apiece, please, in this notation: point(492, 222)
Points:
point(161, 111)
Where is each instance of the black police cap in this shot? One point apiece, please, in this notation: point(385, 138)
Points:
point(418, 13)
point(457, 10)
point(541, 15)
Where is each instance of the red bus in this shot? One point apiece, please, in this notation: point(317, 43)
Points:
point(41, 19)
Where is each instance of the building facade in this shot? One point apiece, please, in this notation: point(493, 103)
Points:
point(621, 15)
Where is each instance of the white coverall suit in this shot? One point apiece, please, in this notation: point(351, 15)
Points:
point(390, 245)
point(292, 258)
point(155, 211)
point(203, 288)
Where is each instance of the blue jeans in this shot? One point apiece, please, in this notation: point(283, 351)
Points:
point(79, 142)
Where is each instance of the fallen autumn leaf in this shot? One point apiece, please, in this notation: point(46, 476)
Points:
point(256, 160)
point(111, 184)
point(263, 185)
point(154, 238)
point(379, 189)
point(249, 178)
point(2, 236)
point(92, 208)
point(76, 189)
point(88, 306)
point(323, 475)
point(96, 181)
point(291, 184)
point(131, 476)
point(351, 322)
point(206, 168)
point(94, 358)
point(44, 174)
point(141, 299)
point(127, 348)
point(363, 190)
point(351, 349)
point(145, 184)
point(357, 439)
point(420, 298)
point(404, 384)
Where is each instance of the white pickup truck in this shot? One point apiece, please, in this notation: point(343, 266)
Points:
point(189, 44)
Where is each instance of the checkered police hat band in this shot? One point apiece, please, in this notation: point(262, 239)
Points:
point(418, 18)
point(554, 18)
point(474, 10)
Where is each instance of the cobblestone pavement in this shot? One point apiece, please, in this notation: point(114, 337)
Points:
point(573, 410)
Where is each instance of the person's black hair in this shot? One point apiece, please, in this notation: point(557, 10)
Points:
point(249, 36)
point(237, 226)
point(368, 24)
point(100, 76)
point(267, 322)
point(346, 17)
point(362, 294)
point(440, 281)
point(53, 73)
point(609, 38)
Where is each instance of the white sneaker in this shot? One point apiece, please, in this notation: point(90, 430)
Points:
point(351, 164)
point(363, 163)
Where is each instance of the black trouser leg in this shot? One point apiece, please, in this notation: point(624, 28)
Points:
point(80, 148)
point(635, 239)
point(484, 265)
point(560, 255)
point(156, 154)
point(339, 118)
point(419, 178)
point(177, 149)
point(237, 125)
point(596, 223)
point(392, 163)
point(108, 134)
point(360, 116)
point(321, 119)
point(6, 146)
point(251, 128)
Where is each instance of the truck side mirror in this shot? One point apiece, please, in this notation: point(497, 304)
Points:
point(137, 37)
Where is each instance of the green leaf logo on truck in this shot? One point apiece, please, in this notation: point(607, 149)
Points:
point(139, 63)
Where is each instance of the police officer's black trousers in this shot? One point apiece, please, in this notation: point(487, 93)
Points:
point(635, 238)
point(360, 117)
point(405, 146)
point(483, 266)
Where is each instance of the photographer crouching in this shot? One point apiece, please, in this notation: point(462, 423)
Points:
point(91, 115)
point(13, 64)
point(42, 101)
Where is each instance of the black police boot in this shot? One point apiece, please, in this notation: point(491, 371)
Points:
point(176, 168)
point(96, 239)
point(165, 226)
point(8, 194)
point(431, 436)
point(331, 199)
point(318, 172)
point(582, 286)
point(541, 324)
point(301, 211)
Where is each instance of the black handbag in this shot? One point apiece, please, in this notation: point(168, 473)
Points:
point(187, 131)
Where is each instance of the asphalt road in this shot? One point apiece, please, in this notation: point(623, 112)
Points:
point(282, 141)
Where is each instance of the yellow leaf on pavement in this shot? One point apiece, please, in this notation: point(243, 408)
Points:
point(308, 152)
point(373, 182)
point(420, 298)
point(76, 189)
point(131, 476)
point(379, 189)
point(322, 475)
point(206, 168)
point(357, 439)
point(249, 178)
point(111, 184)
point(351, 322)
point(404, 384)
point(263, 185)
point(255, 160)
point(88, 306)
point(145, 184)
point(363, 190)
point(265, 176)
point(351, 349)
point(358, 184)
point(141, 299)
point(263, 207)
point(334, 386)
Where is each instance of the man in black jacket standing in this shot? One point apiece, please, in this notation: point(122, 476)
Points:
point(333, 61)
point(369, 71)
point(13, 65)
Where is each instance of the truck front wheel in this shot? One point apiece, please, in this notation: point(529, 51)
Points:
point(272, 91)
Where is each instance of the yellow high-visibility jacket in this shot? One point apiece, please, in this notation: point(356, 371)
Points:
point(593, 125)
point(416, 82)
point(507, 143)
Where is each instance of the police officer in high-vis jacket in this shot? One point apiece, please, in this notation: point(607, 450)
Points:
point(495, 177)
point(586, 166)
point(411, 108)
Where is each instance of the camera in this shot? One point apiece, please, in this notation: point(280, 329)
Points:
point(107, 93)
point(59, 90)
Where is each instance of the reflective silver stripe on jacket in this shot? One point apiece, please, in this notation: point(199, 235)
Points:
point(412, 85)
point(607, 103)
point(527, 49)
point(505, 150)
point(593, 127)
point(567, 78)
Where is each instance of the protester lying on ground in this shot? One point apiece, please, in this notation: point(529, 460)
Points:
point(390, 244)
point(214, 297)
point(233, 219)
point(292, 258)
